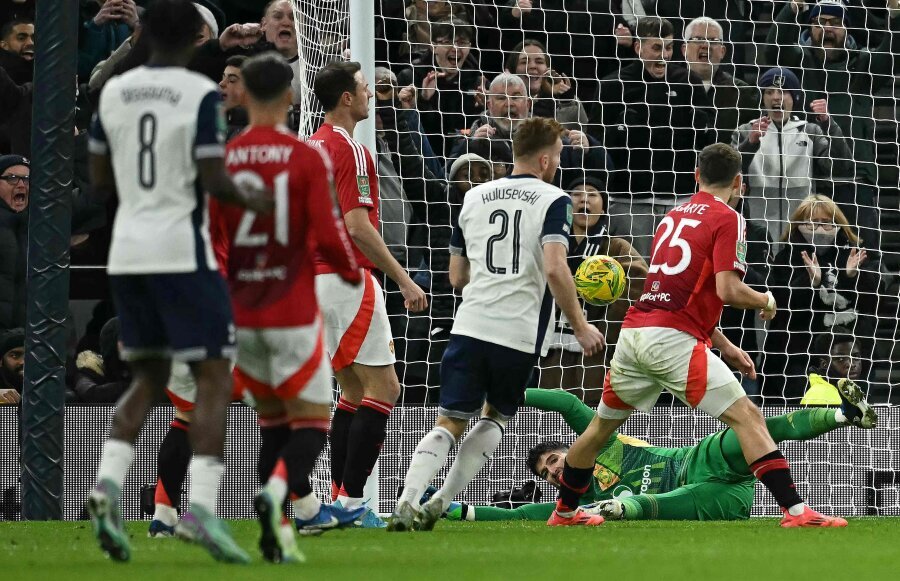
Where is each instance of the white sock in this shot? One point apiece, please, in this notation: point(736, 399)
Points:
point(307, 507)
point(429, 457)
point(839, 417)
point(166, 514)
point(474, 452)
point(349, 502)
point(115, 461)
point(206, 474)
point(796, 510)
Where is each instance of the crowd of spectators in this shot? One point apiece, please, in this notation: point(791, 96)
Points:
point(639, 85)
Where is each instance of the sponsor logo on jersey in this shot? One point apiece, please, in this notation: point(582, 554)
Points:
point(655, 296)
point(645, 479)
point(604, 476)
point(741, 251)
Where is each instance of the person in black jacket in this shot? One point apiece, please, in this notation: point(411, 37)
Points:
point(14, 195)
point(102, 377)
point(12, 365)
point(652, 117)
point(822, 279)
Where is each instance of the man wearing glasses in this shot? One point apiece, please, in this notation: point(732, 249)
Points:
point(14, 190)
point(734, 100)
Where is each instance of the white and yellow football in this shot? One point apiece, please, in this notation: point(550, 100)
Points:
point(600, 280)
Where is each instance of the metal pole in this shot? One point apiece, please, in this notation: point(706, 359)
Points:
point(362, 50)
point(49, 232)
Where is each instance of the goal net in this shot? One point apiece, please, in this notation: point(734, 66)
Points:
point(806, 95)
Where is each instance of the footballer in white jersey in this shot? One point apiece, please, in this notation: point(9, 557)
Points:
point(502, 229)
point(508, 255)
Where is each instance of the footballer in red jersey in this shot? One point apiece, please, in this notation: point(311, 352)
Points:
point(357, 331)
point(281, 358)
point(697, 265)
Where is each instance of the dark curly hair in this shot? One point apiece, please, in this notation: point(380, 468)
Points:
point(546, 446)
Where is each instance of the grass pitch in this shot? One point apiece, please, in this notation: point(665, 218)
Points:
point(632, 551)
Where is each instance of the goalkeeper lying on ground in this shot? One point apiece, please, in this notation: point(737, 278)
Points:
point(633, 480)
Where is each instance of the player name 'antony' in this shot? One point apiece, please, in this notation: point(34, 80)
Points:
point(260, 154)
point(509, 194)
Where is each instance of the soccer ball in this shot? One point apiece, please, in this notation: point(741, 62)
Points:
point(600, 280)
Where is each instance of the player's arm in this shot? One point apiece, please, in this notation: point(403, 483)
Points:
point(555, 242)
point(372, 245)
point(331, 238)
point(734, 355)
point(209, 154)
point(459, 272)
point(573, 411)
point(728, 257)
point(736, 293)
point(539, 511)
point(100, 168)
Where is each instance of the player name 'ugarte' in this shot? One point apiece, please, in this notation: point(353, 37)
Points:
point(260, 154)
point(692, 208)
point(132, 94)
point(510, 194)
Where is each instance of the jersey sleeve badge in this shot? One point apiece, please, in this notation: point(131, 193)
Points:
point(365, 193)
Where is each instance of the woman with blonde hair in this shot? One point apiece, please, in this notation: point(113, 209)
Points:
point(821, 279)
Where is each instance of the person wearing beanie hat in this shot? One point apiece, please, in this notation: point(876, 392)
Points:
point(12, 365)
point(783, 154)
point(470, 164)
point(816, 41)
point(15, 173)
point(209, 21)
point(565, 366)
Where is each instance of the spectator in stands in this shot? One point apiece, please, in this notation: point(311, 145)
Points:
point(17, 54)
point(451, 87)
point(783, 153)
point(652, 118)
point(428, 336)
point(421, 16)
point(12, 365)
point(15, 116)
point(497, 152)
point(389, 93)
point(833, 66)
point(508, 104)
point(578, 33)
point(839, 357)
point(14, 193)
point(565, 366)
point(106, 24)
point(734, 100)
point(210, 28)
point(232, 87)
point(821, 279)
point(740, 325)
point(102, 377)
point(552, 93)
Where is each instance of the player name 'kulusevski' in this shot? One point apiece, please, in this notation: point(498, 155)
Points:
point(510, 194)
point(259, 154)
point(132, 94)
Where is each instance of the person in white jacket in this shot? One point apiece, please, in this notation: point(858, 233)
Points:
point(785, 154)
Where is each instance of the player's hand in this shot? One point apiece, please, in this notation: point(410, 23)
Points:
point(740, 360)
point(857, 257)
point(9, 396)
point(257, 200)
point(812, 268)
point(758, 128)
point(820, 108)
point(623, 35)
point(414, 298)
point(240, 35)
point(591, 339)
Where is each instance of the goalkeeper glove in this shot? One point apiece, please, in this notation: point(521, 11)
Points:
point(460, 511)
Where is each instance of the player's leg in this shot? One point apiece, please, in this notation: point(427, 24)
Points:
point(171, 468)
point(339, 434)
point(700, 501)
point(625, 388)
point(463, 375)
point(768, 464)
point(145, 345)
point(174, 453)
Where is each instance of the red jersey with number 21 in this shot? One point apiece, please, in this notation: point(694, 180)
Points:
point(355, 180)
point(268, 258)
point(695, 240)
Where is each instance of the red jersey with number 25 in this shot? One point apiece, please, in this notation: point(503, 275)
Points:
point(268, 262)
point(695, 240)
point(355, 180)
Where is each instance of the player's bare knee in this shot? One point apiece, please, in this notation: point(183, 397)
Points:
point(455, 426)
point(491, 413)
